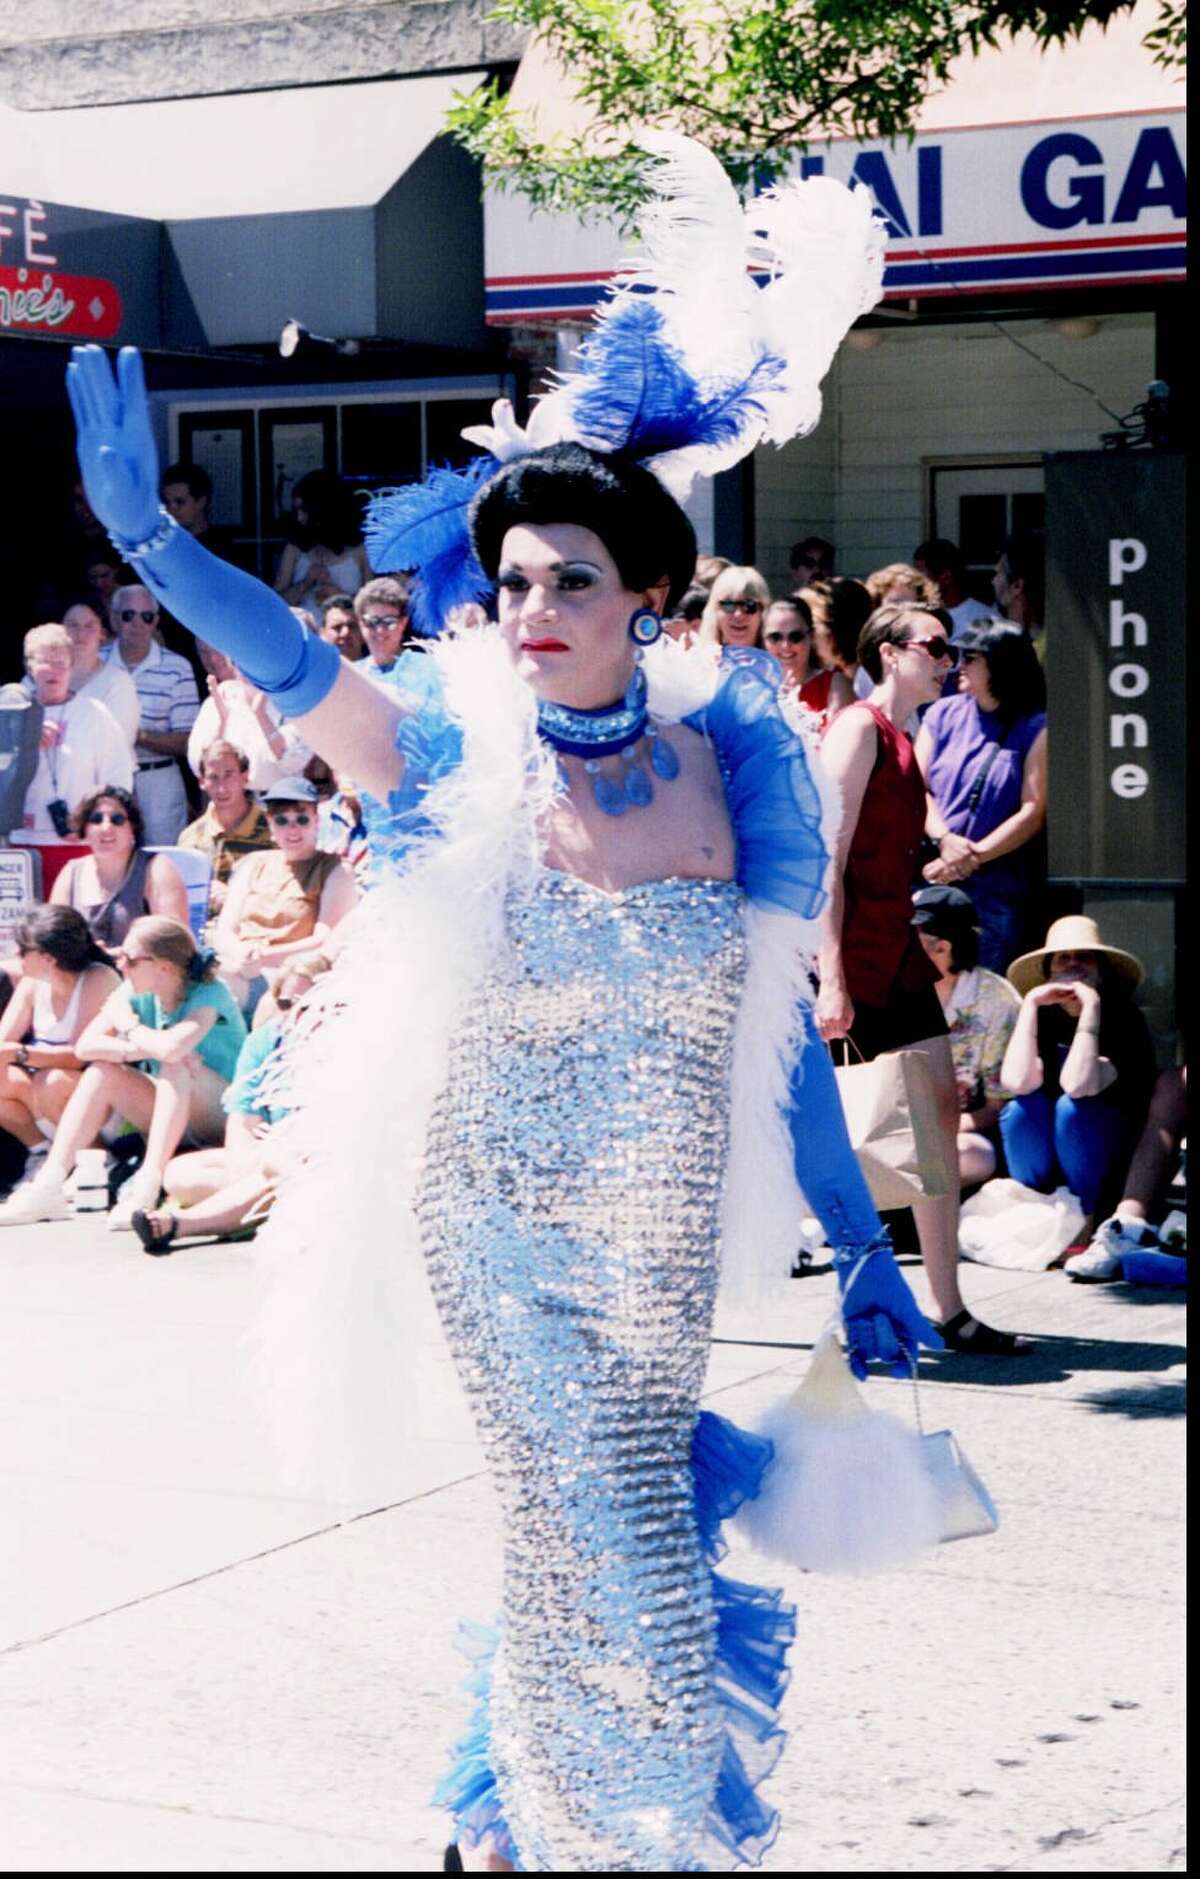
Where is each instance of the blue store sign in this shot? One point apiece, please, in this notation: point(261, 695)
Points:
point(1091, 201)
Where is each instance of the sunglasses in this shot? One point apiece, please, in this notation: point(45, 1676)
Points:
point(138, 613)
point(379, 622)
point(793, 639)
point(281, 821)
point(936, 645)
point(117, 817)
point(740, 606)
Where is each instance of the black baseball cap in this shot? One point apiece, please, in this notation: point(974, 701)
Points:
point(943, 911)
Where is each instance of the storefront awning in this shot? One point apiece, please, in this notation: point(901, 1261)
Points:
point(257, 153)
point(211, 221)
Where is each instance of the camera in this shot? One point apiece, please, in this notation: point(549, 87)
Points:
point(59, 813)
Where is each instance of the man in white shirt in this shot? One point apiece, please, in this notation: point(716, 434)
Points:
point(82, 746)
point(943, 562)
point(97, 676)
point(168, 703)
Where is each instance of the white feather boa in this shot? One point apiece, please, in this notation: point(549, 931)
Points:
point(346, 1345)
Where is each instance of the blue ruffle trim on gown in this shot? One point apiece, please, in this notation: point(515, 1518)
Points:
point(773, 802)
point(469, 1789)
point(754, 1630)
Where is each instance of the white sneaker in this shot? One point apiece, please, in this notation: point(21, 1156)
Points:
point(1113, 1239)
point(40, 1199)
point(137, 1192)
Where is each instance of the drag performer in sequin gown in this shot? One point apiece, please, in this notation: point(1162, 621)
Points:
point(589, 958)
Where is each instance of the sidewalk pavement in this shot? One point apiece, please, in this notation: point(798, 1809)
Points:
point(201, 1674)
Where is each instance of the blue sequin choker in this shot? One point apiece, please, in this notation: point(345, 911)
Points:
point(611, 731)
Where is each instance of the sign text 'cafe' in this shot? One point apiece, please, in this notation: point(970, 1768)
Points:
point(35, 295)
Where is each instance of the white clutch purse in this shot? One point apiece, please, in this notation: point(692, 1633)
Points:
point(852, 1490)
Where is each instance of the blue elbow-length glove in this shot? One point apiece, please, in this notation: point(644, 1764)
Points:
point(230, 609)
point(883, 1321)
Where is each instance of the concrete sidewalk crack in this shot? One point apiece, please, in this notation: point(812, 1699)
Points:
point(1049, 1842)
point(233, 1565)
point(194, 1813)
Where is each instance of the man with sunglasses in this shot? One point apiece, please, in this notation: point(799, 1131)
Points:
point(168, 703)
point(812, 560)
point(381, 609)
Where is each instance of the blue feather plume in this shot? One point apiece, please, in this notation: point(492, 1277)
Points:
point(633, 393)
point(423, 527)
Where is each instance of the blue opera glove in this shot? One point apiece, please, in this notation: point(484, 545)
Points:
point(882, 1319)
point(230, 609)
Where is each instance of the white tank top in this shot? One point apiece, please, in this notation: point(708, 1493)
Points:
point(47, 1029)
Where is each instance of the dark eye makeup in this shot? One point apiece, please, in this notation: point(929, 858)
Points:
point(571, 577)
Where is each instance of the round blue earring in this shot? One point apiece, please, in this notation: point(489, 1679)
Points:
point(645, 627)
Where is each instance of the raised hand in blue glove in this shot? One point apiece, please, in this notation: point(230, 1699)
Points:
point(883, 1321)
point(230, 609)
point(117, 457)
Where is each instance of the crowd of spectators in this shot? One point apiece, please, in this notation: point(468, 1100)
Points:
point(192, 861)
point(217, 860)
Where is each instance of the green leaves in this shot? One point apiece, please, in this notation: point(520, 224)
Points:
point(755, 82)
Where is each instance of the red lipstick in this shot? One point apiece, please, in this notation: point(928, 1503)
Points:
point(543, 645)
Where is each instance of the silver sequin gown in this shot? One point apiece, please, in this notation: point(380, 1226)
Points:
point(569, 1220)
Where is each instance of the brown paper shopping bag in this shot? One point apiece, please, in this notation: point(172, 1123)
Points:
point(891, 1114)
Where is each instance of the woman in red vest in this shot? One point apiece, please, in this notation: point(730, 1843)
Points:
point(876, 980)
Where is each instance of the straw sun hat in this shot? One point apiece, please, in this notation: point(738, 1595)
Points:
point(1075, 933)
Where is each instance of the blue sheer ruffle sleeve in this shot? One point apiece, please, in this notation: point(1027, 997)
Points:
point(773, 802)
point(431, 743)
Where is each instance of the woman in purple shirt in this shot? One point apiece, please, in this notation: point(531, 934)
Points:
point(982, 752)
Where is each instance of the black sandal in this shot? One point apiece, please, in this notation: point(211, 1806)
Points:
point(152, 1241)
point(984, 1340)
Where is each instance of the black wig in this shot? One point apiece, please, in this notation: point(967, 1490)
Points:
point(644, 529)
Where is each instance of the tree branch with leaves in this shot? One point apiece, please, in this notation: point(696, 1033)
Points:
point(754, 83)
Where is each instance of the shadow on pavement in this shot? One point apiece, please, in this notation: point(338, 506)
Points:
point(1051, 1360)
point(1144, 1294)
point(1140, 1400)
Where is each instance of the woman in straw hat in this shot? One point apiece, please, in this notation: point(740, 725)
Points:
point(1080, 1065)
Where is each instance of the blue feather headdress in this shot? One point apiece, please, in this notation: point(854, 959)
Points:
point(690, 365)
point(424, 527)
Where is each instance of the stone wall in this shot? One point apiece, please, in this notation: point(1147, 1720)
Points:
point(60, 53)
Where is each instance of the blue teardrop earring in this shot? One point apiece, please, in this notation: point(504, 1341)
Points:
point(645, 627)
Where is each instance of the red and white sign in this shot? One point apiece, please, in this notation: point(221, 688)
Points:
point(35, 296)
point(78, 306)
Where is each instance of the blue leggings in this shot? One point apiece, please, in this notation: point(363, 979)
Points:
point(826, 1165)
point(1073, 1140)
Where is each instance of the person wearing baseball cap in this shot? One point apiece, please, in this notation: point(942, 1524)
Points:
point(285, 901)
point(1079, 1067)
point(980, 1009)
